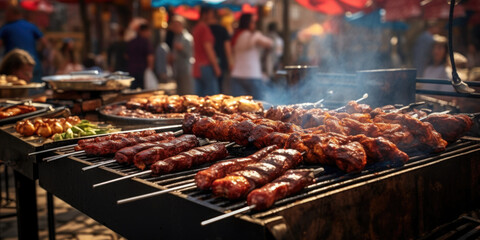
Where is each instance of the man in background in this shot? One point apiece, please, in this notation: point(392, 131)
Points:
point(18, 33)
point(140, 56)
point(182, 56)
point(223, 50)
point(205, 69)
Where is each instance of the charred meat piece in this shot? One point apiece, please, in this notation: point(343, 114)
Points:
point(425, 139)
point(127, 154)
point(193, 157)
point(239, 184)
point(112, 146)
point(165, 150)
point(205, 178)
point(289, 183)
point(380, 149)
point(354, 107)
point(114, 136)
point(451, 127)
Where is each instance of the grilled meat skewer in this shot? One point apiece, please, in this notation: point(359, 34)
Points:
point(116, 136)
point(289, 183)
point(112, 146)
point(240, 183)
point(193, 157)
point(165, 150)
point(205, 178)
point(127, 154)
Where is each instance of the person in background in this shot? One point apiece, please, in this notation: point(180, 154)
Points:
point(18, 33)
point(423, 47)
point(274, 55)
point(436, 68)
point(223, 50)
point(161, 65)
point(182, 56)
point(247, 46)
point(18, 63)
point(67, 60)
point(140, 56)
point(116, 53)
point(205, 69)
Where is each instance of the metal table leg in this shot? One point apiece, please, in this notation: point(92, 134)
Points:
point(51, 216)
point(26, 197)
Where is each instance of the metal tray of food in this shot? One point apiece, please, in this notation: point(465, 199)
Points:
point(110, 111)
point(15, 91)
point(89, 81)
point(41, 108)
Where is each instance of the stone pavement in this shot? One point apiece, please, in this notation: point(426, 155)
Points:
point(69, 222)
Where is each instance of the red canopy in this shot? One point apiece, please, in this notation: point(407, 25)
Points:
point(334, 7)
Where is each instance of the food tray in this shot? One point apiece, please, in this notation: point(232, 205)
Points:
point(89, 82)
point(163, 119)
point(15, 91)
point(41, 108)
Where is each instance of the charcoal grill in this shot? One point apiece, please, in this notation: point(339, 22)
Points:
point(382, 202)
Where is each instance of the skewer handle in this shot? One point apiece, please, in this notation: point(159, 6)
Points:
point(122, 178)
point(227, 215)
point(365, 96)
point(53, 158)
point(99, 164)
point(51, 149)
point(131, 199)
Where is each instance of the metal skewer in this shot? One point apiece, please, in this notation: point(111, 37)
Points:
point(365, 96)
point(122, 178)
point(411, 105)
point(227, 215)
point(52, 149)
point(53, 158)
point(103, 163)
point(131, 199)
point(435, 113)
point(101, 135)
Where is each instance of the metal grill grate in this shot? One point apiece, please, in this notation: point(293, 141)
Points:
point(465, 228)
point(332, 179)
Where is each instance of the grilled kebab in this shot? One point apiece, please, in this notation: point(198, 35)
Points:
point(193, 157)
point(238, 184)
point(116, 136)
point(289, 183)
point(112, 146)
point(164, 150)
point(205, 178)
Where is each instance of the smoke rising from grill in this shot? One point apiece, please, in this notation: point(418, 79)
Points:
point(338, 53)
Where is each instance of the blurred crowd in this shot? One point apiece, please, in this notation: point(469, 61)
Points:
point(205, 57)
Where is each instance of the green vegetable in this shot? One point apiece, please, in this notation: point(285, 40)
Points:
point(91, 132)
point(57, 137)
point(69, 134)
point(76, 129)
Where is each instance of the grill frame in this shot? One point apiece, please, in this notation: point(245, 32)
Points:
point(309, 217)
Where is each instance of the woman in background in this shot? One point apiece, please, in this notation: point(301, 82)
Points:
point(437, 67)
point(247, 46)
point(18, 63)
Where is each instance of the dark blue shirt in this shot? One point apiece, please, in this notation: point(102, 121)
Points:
point(20, 34)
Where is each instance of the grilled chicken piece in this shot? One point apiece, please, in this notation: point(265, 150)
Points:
point(354, 107)
point(451, 127)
